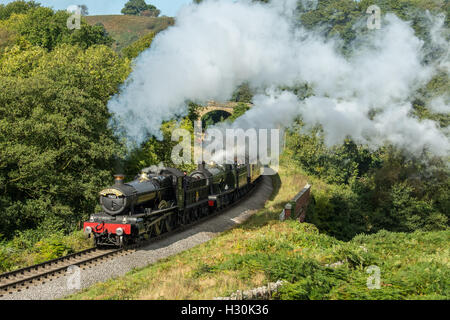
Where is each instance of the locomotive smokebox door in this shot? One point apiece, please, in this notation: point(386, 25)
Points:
point(112, 202)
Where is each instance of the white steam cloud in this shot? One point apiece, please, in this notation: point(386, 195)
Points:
point(218, 45)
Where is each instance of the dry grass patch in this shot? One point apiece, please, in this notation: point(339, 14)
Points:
point(179, 284)
point(125, 29)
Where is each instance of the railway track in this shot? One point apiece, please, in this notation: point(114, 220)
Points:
point(23, 278)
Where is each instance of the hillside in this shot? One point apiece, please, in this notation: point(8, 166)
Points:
point(366, 124)
point(314, 264)
point(126, 29)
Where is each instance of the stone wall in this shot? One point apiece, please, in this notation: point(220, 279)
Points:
point(261, 293)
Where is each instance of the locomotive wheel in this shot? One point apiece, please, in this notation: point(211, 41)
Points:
point(226, 201)
point(194, 215)
point(204, 211)
point(155, 229)
point(149, 231)
point(185, 220)
point(169, 223)
point(163, 205)
point(159, 227)
point(143, 238)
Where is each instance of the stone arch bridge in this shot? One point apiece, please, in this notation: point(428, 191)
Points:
point(217, 106)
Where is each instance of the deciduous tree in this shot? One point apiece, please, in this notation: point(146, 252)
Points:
point(137, 7)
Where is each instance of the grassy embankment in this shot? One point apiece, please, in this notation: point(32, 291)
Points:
point(23, 251)
point(126, 29)
point(413, 266)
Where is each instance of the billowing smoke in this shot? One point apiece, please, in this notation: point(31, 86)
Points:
point(440, 104)
point(218, 45)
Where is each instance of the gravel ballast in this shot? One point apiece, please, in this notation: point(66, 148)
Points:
point(63, 286)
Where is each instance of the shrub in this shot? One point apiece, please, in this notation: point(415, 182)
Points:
point(51, 248)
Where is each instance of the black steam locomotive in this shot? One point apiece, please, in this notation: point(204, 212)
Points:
point(158, 202)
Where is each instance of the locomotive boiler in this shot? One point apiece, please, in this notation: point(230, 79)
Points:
point(155, 202)
point(123, 198)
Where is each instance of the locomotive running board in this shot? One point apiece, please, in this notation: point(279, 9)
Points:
point(140, 215)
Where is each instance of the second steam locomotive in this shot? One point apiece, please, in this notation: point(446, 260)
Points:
point(161, 201)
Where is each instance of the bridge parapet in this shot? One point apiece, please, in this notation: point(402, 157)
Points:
point(215, 106)
point(296, 209)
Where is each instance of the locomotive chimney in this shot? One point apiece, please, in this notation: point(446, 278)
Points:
point(202, 166)
point(118, 178)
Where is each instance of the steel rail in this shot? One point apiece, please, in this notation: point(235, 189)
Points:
point(25, 277)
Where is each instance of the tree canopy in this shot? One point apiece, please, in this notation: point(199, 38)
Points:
point(46, 28)
point(133, 50)
point(57, 146)
point(139, 7)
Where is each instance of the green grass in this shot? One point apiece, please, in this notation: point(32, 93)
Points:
point(126, 29)
point(26, 249)
point(413, 266)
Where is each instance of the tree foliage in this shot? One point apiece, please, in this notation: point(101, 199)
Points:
point(16, 7)
point(156, 152)
point(139, 7)
point(46, 28)
point(133, 50)
point(243, 94)
point(57, 146)
point(57, 149)
point(369, 191)
point(84, 10)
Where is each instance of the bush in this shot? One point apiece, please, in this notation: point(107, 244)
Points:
point(372, 191)
point(49, 249)
point(6, 263)
point(39, 245)
point(355, 256)
point(133, 50)
point(337, 211)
